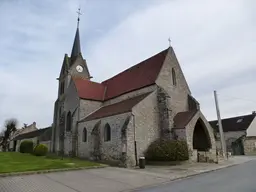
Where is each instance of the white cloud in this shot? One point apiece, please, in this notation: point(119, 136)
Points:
point(213, 40)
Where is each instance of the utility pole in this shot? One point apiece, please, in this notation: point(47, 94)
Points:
point(222, 139)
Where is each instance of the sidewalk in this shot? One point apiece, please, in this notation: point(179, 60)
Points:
point(190, 169)
point(109, 179)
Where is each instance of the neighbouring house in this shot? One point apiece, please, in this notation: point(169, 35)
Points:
point(37, 136)
point(239, 134)
point(23, 130)
point(117, 119)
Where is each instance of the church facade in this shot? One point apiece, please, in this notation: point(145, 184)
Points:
point(117, 119)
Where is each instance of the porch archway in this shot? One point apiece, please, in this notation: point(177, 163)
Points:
point(201, 137)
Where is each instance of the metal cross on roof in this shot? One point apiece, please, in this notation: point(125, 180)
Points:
point(78, 16)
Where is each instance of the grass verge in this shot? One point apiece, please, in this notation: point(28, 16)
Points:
point(19, 162)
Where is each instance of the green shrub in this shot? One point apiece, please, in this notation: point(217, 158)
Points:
point(26, 146)
point(40, 150)
point(167, 150)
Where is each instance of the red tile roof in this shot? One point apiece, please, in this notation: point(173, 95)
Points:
point(117, 108)
point(136, 77)
point(181, 119)
point(89, 90)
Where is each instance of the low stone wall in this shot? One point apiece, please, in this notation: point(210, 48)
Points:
point(250, 145)
point(207, 156)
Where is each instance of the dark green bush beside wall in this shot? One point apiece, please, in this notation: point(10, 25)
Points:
point(167, 150)
point(40, 150)
point(26, 146)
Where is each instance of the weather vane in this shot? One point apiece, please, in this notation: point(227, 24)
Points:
point(78, 16)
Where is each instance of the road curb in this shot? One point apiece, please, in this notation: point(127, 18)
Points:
point(49, 171)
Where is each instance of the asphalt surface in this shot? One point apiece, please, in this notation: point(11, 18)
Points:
point(240, 178)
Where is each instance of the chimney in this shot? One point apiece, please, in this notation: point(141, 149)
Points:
point(254, 112)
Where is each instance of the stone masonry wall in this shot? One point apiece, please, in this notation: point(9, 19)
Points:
point(164, 113)
point(87, 107)
point(111, 150)
point(71, 104)
point(250, 146)
point(178, 93)
point(130, 142)
point(146, 119)
point(190, 131)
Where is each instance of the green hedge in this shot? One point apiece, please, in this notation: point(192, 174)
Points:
point(40, 150)
point(167, 150)
point(26, 146)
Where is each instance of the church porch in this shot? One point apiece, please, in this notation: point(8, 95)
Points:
point(194, 128)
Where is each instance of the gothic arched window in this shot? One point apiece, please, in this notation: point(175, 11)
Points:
point(69, 121)
point(107, 132)
point(173, 77)
point(85, 135)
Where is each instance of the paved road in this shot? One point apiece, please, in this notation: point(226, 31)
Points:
point(241, 178)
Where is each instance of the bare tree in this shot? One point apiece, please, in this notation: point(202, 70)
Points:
point(9, 128)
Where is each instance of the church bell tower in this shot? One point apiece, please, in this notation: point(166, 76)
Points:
point(74, 65)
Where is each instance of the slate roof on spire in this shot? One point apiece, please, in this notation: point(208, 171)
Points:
point(76, 50)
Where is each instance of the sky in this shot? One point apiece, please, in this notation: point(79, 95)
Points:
point(214, 41)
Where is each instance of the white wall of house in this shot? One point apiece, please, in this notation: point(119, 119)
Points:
point(251, 131)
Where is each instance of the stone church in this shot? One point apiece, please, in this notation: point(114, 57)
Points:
point(117, 119)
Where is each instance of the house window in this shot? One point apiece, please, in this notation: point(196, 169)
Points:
point(69, 121)
point(239, 120)
point(173, 77)
point(107, 132)
point(85, 135)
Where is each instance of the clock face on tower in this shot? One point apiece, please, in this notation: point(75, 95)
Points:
point(79, 68)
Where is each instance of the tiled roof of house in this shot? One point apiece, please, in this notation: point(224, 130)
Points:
point(89, 90)
point(136, 77)
point(31, 134)
point(117, 108)
point(181, 119)
point(240, 123)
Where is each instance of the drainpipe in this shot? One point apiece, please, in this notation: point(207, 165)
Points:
point(135, 143)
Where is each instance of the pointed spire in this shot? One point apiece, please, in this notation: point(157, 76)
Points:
point(76, 50)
